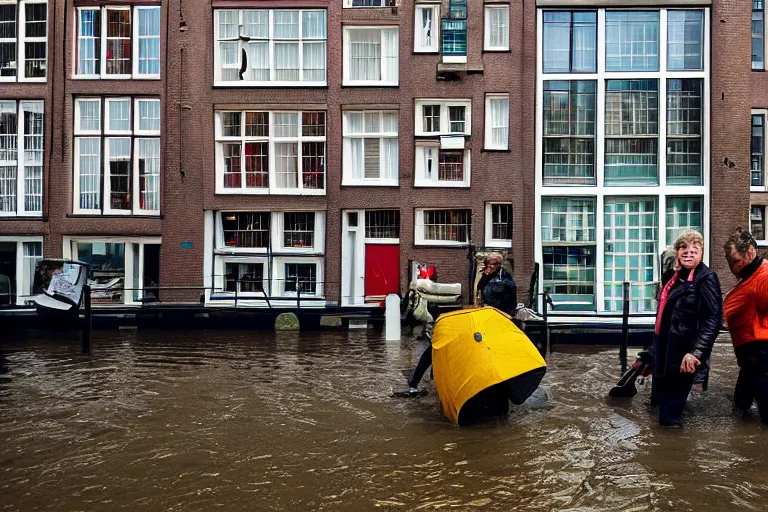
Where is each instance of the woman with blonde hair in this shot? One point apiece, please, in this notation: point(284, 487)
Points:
point(688, 320)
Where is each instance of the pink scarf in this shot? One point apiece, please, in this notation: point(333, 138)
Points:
point(665, 295)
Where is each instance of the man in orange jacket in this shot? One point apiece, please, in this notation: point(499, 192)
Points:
point(746, 315)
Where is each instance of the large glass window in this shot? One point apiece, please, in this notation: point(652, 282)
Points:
point(382, 223)
point(496, 28)
point(371, 149)
point(497, 121)
point(246, 229)
point(568, 238)
point(118, 42)
point(684, 131)
point(24, 46)
point(21, 158)
point(443, 227)
point(758, 34)
point(263, 152)
point(117, 156)
point(570, 42)
point(683, 213)
point(631, 132)
point(685, 40)
point(569, 132)
point(270, 47)
point(632, 41)
point(371, 55)
point(631, 252)
point(757, 160)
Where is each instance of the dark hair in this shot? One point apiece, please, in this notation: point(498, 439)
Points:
point(740, 240)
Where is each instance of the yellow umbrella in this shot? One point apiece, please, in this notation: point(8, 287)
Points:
point(474, 350)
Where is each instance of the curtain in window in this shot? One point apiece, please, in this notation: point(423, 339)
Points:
point(390, 42)
point(365, 54)
point(499, 123)
point(149, 115)
point(149, 41)
point(89, 42)
point(8, 155)
point(685, 30)
point(33, 156)
point(119, 115)
point(584, 58)
point(287, 62)
point(258, 61)
point(148, 155)
point(89, 170)
point(89, 115)
point(557, 41)
point(33, 253)
point(498, 26)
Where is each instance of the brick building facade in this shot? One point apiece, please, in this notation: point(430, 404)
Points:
point(291, 131)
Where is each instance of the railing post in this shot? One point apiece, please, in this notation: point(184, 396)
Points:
point(545, 315)
point(87, 319)
point(298, 293)
point(624, 326)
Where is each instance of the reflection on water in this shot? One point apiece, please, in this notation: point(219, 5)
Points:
point(262, 421)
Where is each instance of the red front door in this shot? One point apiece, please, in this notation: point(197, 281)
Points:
point(382, 271)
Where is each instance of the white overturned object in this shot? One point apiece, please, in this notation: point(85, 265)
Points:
point(437, 293)
point(65, 290)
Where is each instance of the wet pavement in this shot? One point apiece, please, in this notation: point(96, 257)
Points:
point(262, 421)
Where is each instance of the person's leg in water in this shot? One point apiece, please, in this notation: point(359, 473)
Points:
point(672, 393)
point(425, 361)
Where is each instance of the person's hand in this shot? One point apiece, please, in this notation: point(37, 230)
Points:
point(689, 364)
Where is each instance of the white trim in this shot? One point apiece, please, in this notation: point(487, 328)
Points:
point(348, 172)
point(418, 232)
point(353, 259)
point(21, 107)
point(764, 187)
point(600, 192)
point(21, 281)
point(21, 38)
point(298, 139)
point(444, 105)
point(487, 47)
point(137, 39)
point(425, 151)
point(487, 143)
point(218, 82)
point(278, 275)
point(434, 48)
point(488, 225)
point(385, 81)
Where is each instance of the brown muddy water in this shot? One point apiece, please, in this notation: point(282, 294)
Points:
point(262, 421)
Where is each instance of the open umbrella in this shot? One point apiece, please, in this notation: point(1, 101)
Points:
point(482, 361)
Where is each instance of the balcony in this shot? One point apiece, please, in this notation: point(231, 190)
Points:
point(454, 43)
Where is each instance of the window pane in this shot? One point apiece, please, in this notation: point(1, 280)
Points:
point(313, 25)
point(244, 277)
point(286, 124)
point(33, 156)
point(299, 229)
point(632, 41)
point(758, 35)
point(757, 222)
point(118, 42)
point(90, 116)
point(257, 165)
point(382, 223)
point(256, 124)
point(148, 154)
point(89, 162)
point(301, 277)
point(365, 54)
point(230, 124)
point(286, 24)
point(149, 41)
point(119, 112)
point(313, 124)
point(451, 165)
point(313, 165)
point(501, 221)
point(570, 42)
point(499, 123)
point(8, 132)
point(8, 189)
point(683, 213)
point(8, 33)
point(757, 151)
point(497, 24)
point(287, 62)
point(584, 58)
point(89, 42)
point(567, 219)
point(447, 225)
point(149, 115)
point(685, 34)
point(246, 229)
point(569, 276)
point(286, 165)
point(631, 227)
point(231, 155)
point(684, 161)
point(119, 151)
point(36, 16)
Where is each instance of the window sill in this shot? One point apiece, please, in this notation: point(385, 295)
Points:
point(23, 216)
point(390, 184)
point(88, 215)
point(436, 51)
point(494, 150)
point(441, 184)
point(441, 243)
point(500, 244)
point(497, 50)
point(271, 85)
point(758, 189)
point(355, 83)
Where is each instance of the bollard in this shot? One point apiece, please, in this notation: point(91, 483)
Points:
point(624, 326)
point(87, 320)
point(392, 317)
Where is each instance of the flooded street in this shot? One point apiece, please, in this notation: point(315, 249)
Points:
point(264, 421)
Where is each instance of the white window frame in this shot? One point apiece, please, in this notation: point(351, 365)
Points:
point(599, 190)
point(102, 37)
point(277, 232)
point(418, 232)
point(487, 46)
point(21, 39)
point(489, 240)
point(218, 82)
point(69, 251)
point(21, 281)
point(348, 178)
point(418, 29)
point(764, 66)
point(20, 160)
point(385, 81)
point(760, 112)
point(384, 3)
point(220, 265)
point(278, 275)
point(489, 122)
point(444, 117)
point(104, 133)
point(271, 140)
point(420, 177)
point(762, 242)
